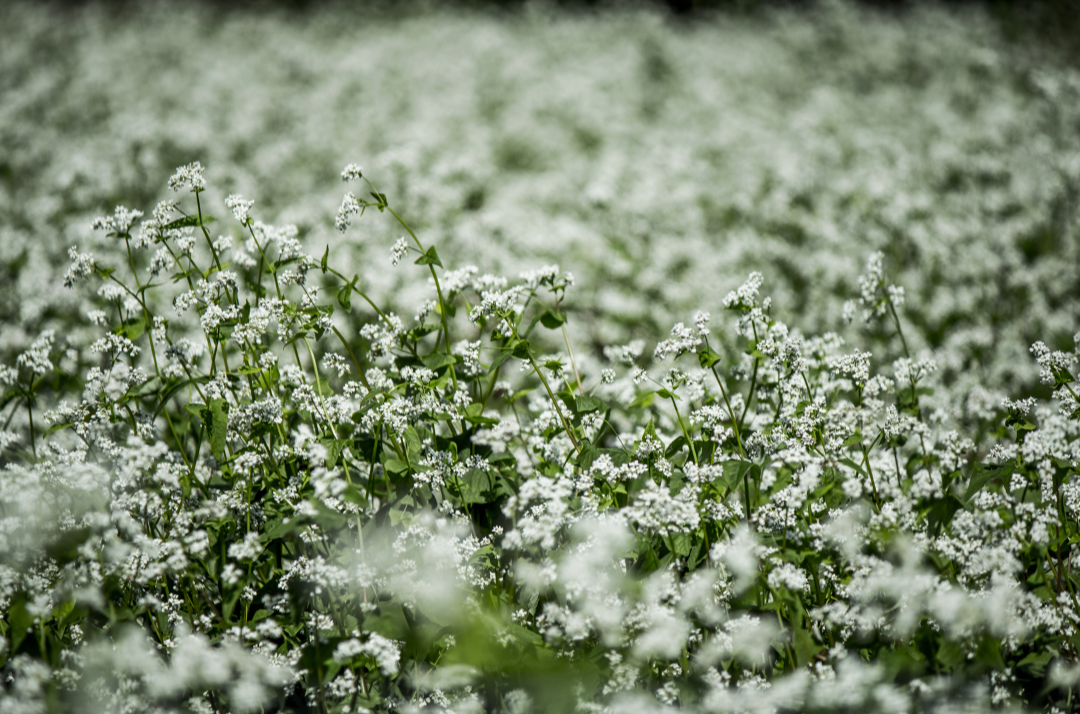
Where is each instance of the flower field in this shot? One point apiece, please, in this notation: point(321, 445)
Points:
point(633, 366)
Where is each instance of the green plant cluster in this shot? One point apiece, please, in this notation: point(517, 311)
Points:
point(247, 504)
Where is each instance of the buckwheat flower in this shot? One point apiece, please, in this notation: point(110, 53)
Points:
point(184, 301)
point(213, 316)
point(607, 376)
point(36, 359)
point(855, 367)
point(909, 371)
point(120, 222)
point(267, 411)
point(349, 207)
point(248, 549)
point(540, 276)
point(114, 346)
point(1051, 362)
point(847, 316)
point(624, 354)
point(352, 172)
point(82, 264)
point(239, 207)
point(399, 250)
point(162, 259)
point(682, 340)
point(640, 375)
point(385, 653)
point(469, 352)
point(185, 241)
point(745, 297)
point(190, 176)
point(333, 362)
point(231, 574)
point(496, 303)
point(789, 576)
point(701, 322)
point(1019, 406)
point(222, 244)
point(871, 279)
point(457, 280)
point(896, 295)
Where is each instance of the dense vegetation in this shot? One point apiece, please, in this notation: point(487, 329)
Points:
point(326, 453)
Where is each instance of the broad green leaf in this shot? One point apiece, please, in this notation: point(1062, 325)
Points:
point(431, 257)
point(982, 474)
point(396, 466)
point(586, 404)
point(553, 319)
point(19, 621)
point(707, 358)
point(734, 471)
point(438, 360)
point(588, 454)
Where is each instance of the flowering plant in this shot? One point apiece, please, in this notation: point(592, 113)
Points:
point(250, 503)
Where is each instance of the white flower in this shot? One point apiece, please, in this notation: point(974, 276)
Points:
point(239, 207)
point(191, 176)
point(349, 207)
point(399, 251)
point(352, 172)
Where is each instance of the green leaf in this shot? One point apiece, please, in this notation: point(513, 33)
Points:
point(941, 513)
point(1035, 663)
point(325, 255)
point(520, 393)
point(19, 621)
point(344, 297)
point(804, 646)
point(132, 330)
point(982, 474)
point(708, 358)
point(396, 466)
point(555, 365)
point(57, 427)
point(680, 544)
point(644, 399)
point(504, 354)
point(675, 447)
point(197, 411)
point(1061, 376)
point(431, 257)
point(586, 404)
point(438, 360)
point(588, 455)
point(188, 222)
point(475, 484)
point(553, 319)
point(473, 415)
point(412, 439)
point(333, 447)
point(218, 427)
point(521, 350)
point(734, 471)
